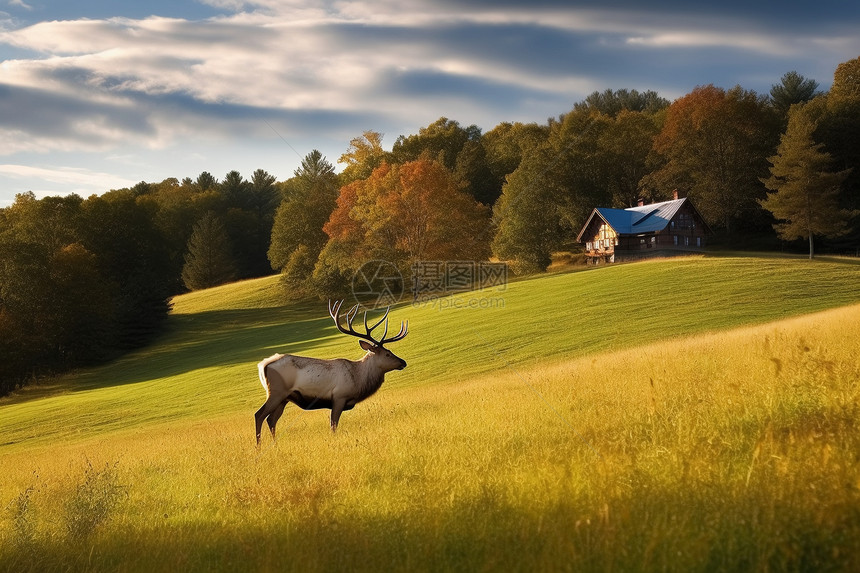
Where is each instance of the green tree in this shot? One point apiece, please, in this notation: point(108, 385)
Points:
point(315, 170)
point(529, 224)
point(264, 201)
point(235, 188)
point(205, 181)
point(209, 261)
point(134, 258)
point(612, 103)
point(839, 126)
point(805, 197)
point(248, 214)
point(506, 144)
point(443, 140)
point(299, 220)
point(578, 170)
point(623, 148)
point(793, 88)
point(297, 272)
point(472, 168)
point(84, 316)
point(56, 308)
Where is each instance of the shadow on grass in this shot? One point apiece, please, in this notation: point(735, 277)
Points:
point(196, 341)
point(655, 530)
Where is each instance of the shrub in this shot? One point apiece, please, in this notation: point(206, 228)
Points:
point(92, 502)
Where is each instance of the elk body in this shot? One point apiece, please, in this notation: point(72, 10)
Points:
point(339, 384)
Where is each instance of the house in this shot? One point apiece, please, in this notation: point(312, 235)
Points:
point(611, 235)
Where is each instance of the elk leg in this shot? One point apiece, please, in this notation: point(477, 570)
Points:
point(336, 410)
point(269, 406)
point(259, 416)
point(273, 418)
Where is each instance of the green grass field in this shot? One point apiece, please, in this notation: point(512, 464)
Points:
point(689, 415)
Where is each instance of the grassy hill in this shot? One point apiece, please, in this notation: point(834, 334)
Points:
point(634, 416)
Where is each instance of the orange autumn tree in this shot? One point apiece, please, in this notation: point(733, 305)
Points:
point(402, 213)
point(714, 144)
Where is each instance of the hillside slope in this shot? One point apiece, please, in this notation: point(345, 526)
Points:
point(727, 450)
point(205, 366)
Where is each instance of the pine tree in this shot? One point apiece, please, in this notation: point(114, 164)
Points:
point(209, 261)
point(805, 198)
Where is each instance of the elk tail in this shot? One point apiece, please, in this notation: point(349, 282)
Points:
point(261, 369)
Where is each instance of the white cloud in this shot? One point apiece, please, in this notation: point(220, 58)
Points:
point(273, 64)
point(84, 182)
point(74, 175)
point(338, 67)
point(19, 4)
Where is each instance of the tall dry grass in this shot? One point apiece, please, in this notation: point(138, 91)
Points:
point(730, 451)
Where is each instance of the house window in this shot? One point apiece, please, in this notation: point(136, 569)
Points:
point(686, 241)
point(698, 241)
point(675, 239)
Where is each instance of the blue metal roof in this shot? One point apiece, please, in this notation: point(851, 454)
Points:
point(644, 219)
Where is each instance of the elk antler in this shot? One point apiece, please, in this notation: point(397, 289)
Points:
point(334, 310)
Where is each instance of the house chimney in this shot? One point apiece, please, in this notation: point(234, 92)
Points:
point(641, 201)
point(675, 194)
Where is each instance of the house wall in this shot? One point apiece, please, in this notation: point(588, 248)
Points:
point(600, 237)
point(685, 231)
point(600, 242)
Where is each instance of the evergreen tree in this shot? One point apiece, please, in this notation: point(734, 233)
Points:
point(235, 189)
point(205, 181)
point(612, 103)
point(299, 220)
point(805, 198)
point(793, 88)
point(208, 262)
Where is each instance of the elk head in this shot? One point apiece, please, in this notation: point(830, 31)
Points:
point(386, 359)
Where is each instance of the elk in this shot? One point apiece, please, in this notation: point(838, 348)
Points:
point(339, 384)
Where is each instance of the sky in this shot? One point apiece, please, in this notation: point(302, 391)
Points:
point(98, 95)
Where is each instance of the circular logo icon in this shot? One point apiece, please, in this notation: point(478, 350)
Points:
point(376, 284)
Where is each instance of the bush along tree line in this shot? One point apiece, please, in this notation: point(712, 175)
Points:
point(82, 280)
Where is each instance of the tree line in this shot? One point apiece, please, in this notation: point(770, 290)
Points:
point(82, 280)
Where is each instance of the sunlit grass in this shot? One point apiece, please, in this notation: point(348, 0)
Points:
point(610, 419)
point(216, 337)
point(730, 451)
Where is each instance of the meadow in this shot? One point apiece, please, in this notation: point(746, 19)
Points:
point(686, 415)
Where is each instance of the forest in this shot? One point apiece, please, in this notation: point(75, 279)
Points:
point(83, 280)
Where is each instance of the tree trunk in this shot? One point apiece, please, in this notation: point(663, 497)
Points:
point(811, 251)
